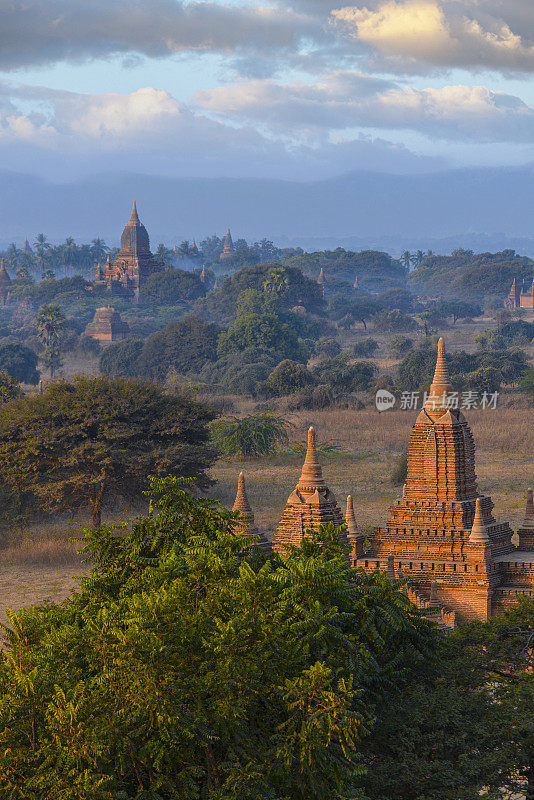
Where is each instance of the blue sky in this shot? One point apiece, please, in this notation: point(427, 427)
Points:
point(301, 90)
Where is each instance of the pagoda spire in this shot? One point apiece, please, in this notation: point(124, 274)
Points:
point(245, 524)
point(529, 511)
point(134, 219)
point(241, 502)
point(350, 520)
point(479, 534)
point(312, 473)
point(441, 384)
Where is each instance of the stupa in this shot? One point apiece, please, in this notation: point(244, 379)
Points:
point(442, 529)
point(321, 280)
point(107, 326)
point(228, 246)
point(246, 525)
point(310, 505)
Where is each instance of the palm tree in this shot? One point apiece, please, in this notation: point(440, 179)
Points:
point(98, 250)
point(69, 249)
point(41, 246)
point(50, 322)
point(406, 259)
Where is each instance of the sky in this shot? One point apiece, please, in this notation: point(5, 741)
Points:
point(300, 90)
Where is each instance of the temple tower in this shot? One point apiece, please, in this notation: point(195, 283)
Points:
point(309, 506)
point(321, 280)
point(526, 531)
point(442, 529)
point(245, 524)
point(228, 246)
point(134, 262)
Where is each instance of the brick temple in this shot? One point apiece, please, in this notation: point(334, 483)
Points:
point(133, 264)
point(441, 535)
point(520, 296)
point(107, 326)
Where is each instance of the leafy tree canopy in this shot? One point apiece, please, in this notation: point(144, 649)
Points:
point(264, 331)
point(170, 287)
point(9, 388)
point(120, 360)
point(343, 375)
point(82, 442)
point(286, 378)
point(19, 362)
point(184, 345)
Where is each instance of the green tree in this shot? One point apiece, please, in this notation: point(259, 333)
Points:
point(527, 383)
point(82, 442)
point(264, 331)
point(251, 436)
point(170, 287)
point(343, 375)
point(184, 345)
point(187, 667)
point(9, 388)
point(288, 377)
point(19, 362)
point(401, 345)
point(121, 360)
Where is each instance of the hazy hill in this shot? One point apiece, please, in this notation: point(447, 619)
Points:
point(487, 209)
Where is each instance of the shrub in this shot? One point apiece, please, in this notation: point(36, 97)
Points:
point(19, 362)
point(527, 383)
point(120, 360)
point(288, 377)
point(252, 436)
point(365, 349)
point(343, 376)
point(395, 321)
point(87, 346)
point(400, 345)
point(328, 348)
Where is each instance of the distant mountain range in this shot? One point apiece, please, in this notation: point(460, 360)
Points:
point(483, 209)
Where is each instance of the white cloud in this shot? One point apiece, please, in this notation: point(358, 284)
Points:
point(344, 100)
point(446, 33)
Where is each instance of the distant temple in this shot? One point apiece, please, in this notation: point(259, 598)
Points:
point(228, 246)
point(107, 326)
point(5, 283)
point(441, 536)
point(520, 297)
point(26, 247)
point(321, 280)
point(133, 264)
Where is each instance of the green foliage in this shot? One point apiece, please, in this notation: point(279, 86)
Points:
point(292, 288)
point(82, 442)
point(366, 348)
point(187, 668)
point(510, 334)
point(184, 345)
point(373, 269)
point(394, 321)
point(9, 388)
point(262, 331)
point(251, 436)
point(121, 360)
point(286, 378)
point(327, 347)
point(240, 372)
point(468, 275)
point(527, 383)
point(170, 287)
point(19, 362)
point(87, 346)
point(401, 345)
point(343, 375)
point(51, 323)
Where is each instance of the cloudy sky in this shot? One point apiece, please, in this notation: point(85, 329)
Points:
point(305, 89)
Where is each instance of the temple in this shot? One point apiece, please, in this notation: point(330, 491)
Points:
point(133, 264)
point(228, 246)
point(441, 536)
point(310, 505)
point(321, 280)
point(107, 326)
point(520, 297)
point(245, 522)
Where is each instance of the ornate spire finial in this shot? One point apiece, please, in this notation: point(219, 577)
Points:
point(441, 384)
point(529, 511)
point(312, 474)
point(241, 500)
point(134, 218)
point(479, 533)
point(350, 519)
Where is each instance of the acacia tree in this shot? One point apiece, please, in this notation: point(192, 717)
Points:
point(83, 442)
